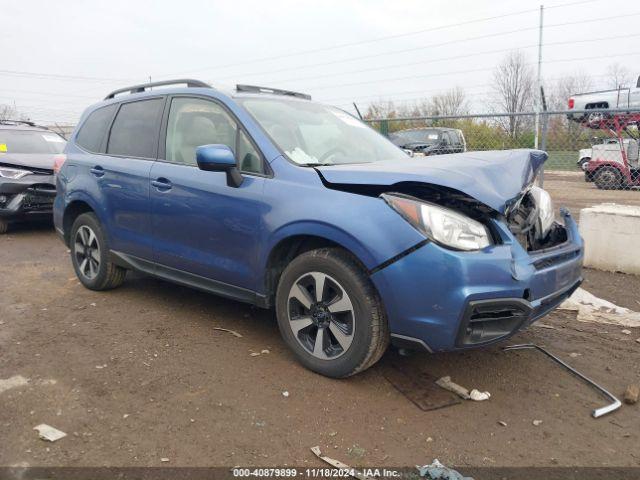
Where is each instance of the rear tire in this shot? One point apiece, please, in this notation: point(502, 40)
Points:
point(608, 178)
point(90, 255)
point(4, 226)
point(326, 296)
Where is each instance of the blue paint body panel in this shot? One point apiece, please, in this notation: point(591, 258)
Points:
point(200, 225)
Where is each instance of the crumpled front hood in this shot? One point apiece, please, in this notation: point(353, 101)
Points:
point(495, 178)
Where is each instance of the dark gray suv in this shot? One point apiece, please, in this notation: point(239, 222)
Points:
point(430, 140)
point(27, 156)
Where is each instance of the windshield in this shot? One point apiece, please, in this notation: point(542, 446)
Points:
point(30, 141)
point(415, 136)
point(313, 134)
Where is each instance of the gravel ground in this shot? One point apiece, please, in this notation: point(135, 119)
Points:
point(139, 374)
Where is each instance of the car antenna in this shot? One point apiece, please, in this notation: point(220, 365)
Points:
point(357, 110)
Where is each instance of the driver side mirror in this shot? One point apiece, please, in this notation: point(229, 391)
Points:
point(219, 158)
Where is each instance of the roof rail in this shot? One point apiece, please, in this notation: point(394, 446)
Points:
point(8, 121)
point(273, 91)
point(143, 86)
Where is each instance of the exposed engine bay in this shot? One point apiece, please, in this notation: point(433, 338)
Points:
point(532, 220)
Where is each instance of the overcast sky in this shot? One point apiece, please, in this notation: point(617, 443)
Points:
point(70, 54)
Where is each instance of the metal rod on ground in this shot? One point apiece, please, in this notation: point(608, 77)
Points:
point(598, 412)
point(538, 81)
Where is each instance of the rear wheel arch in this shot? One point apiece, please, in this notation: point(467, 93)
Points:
point(71, 212)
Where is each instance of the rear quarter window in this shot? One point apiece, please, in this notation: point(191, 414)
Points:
point(94, 129)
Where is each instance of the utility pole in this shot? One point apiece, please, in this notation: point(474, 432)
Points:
point(539, 79)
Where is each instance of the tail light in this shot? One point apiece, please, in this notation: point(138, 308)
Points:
point(58, 161)
point(571, 103)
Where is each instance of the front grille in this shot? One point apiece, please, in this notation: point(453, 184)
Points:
point(39, 197)
point(555, 260)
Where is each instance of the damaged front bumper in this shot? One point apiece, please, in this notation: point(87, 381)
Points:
point(27, 198)
point(440, 299)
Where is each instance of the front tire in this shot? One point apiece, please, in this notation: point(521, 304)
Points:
point(90, 255)
point(4, 226)
point(330, 314)
point(583, 163)
point(608, 178)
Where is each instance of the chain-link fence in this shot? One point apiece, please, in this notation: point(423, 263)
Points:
point(600, 146)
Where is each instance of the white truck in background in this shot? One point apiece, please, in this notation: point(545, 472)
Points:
point(623, 97)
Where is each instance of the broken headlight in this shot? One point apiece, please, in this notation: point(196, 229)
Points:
point(442, 225)
point(546, 215)
point(13, 173)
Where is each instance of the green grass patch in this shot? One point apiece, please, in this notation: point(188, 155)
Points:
point(562, 160)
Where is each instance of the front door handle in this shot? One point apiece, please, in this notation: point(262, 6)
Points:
point(161, 184)
point(97, 171)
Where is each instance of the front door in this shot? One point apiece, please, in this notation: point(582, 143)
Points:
point(200, 224)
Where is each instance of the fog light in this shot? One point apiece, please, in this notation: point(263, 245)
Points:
point(3, 199)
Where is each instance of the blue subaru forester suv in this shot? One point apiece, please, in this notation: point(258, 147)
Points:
point(266, 197)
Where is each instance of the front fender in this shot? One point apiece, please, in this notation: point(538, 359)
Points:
point(325, 231)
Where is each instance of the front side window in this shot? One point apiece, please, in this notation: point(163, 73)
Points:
point(94, 129)
point(407, 137)
point(194, 122)
point(134, 131)
point(30, 141)
point(312, 134)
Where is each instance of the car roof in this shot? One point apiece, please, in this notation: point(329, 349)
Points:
point(22, 125)
point(418, 129)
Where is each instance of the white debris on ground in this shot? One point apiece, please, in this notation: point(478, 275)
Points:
point(476, 395)
point(13, 382)
point(597, 310)
point(479, 396)
point(437, 471)
point(47, 432)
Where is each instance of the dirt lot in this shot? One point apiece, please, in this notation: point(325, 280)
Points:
point(139, 374)
point(570, 190)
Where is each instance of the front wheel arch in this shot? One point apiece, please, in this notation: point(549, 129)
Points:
point(289, 248)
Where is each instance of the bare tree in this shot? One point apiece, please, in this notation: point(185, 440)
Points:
point(618, 76)
point(7, 112)
point(558, 94)
point(381, 109)
point(450, 103)
point(513, 89)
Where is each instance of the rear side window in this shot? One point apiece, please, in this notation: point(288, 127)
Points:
point(93, 131)
point(135, 130)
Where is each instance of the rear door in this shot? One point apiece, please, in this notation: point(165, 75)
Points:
point(123, 175)
point(200, 224)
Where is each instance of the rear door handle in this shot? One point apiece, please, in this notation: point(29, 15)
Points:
point(161, 184)
point(98, 171)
